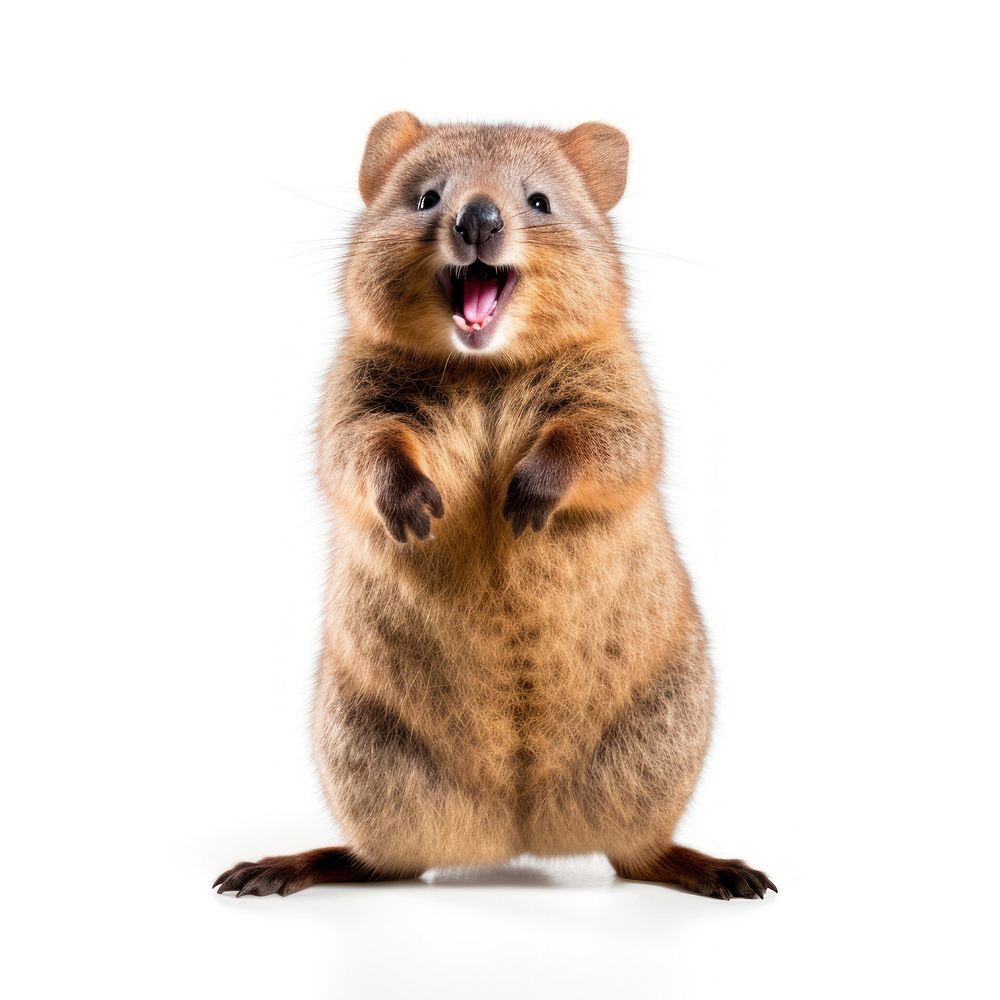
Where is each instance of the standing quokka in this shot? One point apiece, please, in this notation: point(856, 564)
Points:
point(512, 657)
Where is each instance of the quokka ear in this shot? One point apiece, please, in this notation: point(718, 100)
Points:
point(388, 140)
point(600, 153)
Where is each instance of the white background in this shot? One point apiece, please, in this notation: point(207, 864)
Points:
point(826, 353)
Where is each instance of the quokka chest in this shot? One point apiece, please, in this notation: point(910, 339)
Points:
point(472, 440)
point(473, 426)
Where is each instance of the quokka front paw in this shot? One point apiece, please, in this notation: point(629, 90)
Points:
point(407, 499)
point(535, 489)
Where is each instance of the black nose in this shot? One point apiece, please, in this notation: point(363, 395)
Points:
point(479, 222)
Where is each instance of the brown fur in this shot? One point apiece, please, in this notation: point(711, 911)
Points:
point(513, 660)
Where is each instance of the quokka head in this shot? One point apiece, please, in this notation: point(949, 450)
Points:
point(487, 239)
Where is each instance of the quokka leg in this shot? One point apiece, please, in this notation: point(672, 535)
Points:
point(697, 872)
point(290, 873)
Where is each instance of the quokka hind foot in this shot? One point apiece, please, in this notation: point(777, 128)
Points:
point(699, 873)
point(288, 873)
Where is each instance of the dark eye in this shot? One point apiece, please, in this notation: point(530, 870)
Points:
point(539, 203)
point(428, 200)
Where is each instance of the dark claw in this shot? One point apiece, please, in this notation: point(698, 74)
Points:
point(758, 881)
point(433, 499)
point(230, 871)
point(519, 523)
point(254, 886)
point(233, 881)
point(226, 886)
point(421, 525)
point(740, 886)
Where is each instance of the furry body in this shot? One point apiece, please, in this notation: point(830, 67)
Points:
point(532, 700)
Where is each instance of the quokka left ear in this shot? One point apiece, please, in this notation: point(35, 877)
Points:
point(390, 137)
point(600, 153)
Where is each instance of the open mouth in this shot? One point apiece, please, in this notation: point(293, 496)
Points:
point(477, 294)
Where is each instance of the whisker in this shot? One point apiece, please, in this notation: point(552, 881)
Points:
point(315, 201)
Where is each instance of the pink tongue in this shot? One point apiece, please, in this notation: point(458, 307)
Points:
point(480, 294)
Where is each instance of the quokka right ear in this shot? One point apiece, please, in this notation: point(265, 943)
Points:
point(388, 140)
point(600, 153)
